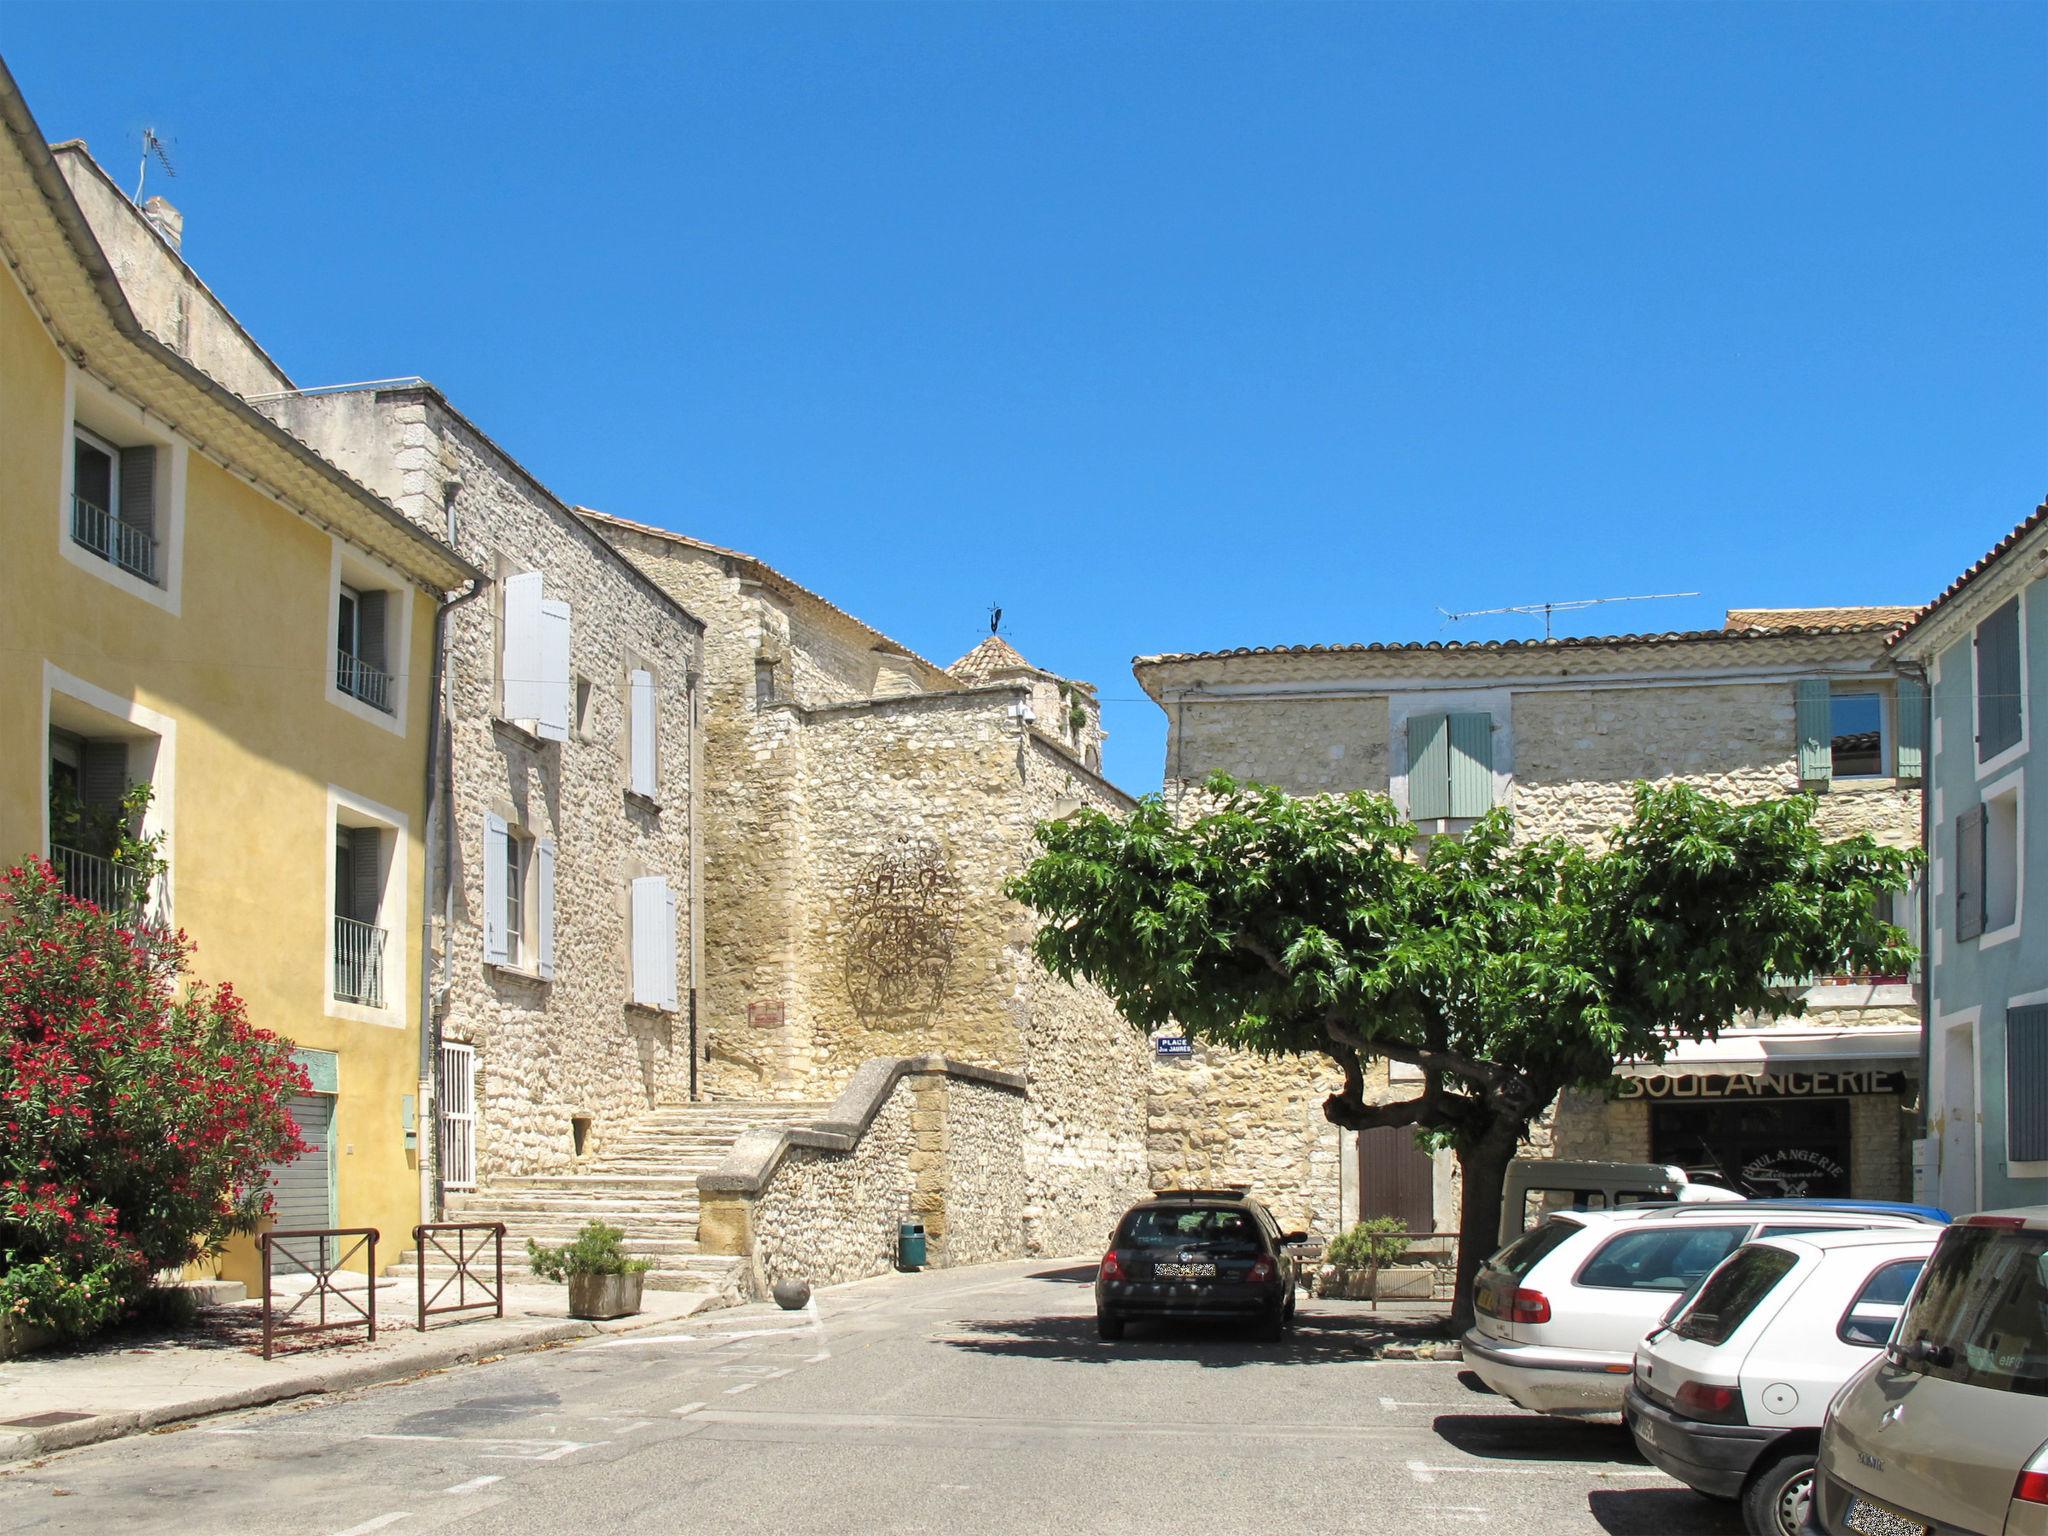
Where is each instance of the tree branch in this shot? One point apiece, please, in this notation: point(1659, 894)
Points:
point(1485, 1073)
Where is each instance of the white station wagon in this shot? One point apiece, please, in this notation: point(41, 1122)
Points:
point(1559, 1311)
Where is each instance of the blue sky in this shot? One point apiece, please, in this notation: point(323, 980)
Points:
point(1167, 328)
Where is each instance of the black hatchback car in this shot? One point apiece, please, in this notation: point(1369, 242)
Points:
point(1198, 1253)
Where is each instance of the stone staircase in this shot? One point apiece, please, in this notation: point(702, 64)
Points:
point(645, 1182)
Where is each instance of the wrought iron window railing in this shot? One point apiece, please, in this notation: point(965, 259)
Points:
point(89, 877)
point(359, 680)
point(358, 963)
point(96, 529)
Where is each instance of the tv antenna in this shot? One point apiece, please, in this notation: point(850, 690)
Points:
point(1567, 605)
point(152, 145)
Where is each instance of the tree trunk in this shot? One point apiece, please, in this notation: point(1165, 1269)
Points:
point(1484, 1164)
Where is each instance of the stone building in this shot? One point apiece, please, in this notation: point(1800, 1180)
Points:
point(1559, 731)
point(863, 808)
point(566, 911)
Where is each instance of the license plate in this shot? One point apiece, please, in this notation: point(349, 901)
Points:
point(1185, 1271)
point(1871, 1520)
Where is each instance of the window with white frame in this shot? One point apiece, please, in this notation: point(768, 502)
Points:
point(362, 646)
point(519, 898)
point(1857, 736)
point(362, 856)
point(115, 494)
point(1450, 765)
point(535, 681)
point(653, 956)
point(1987, 865)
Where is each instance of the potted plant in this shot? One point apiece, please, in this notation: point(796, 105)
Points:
point(1364, 1263)
point(604, 1281)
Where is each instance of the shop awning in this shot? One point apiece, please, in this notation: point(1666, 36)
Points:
point(1763, 1052)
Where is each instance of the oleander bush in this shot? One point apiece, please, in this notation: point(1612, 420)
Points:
point(137, 1124)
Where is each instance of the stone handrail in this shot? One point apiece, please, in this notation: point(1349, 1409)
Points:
point(820, 1200)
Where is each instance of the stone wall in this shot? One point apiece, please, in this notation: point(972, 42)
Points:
point(918, 1138)
point(548, 1052)
point(1304, 746)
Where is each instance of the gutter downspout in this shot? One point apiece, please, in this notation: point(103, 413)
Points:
point(1918, 671)
point(438, 849)
point(700, 1044)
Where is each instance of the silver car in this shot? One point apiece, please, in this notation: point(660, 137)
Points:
point(1947, 1431)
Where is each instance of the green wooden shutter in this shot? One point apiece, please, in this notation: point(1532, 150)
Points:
point(1816, 742)
point(1912, 727)
point(1969, 867)
point(1471, 741)
point(1429, 767)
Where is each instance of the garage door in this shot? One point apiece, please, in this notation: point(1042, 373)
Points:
point(304, 1187)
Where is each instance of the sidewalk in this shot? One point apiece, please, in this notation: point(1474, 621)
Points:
point(137, 1380)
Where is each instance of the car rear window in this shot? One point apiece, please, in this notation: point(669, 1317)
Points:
point(1981, 1314)
point(1668, 1259)
point(1220, 1227)
point(1875, 1312)
point(1533, 1247)
point(1732, 1293)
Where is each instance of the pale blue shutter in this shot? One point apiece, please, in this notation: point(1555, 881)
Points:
point(1816, 735)
point(1969, 867)
point(650, 923)
point(544, 905)
point(552, 722)
point(496, 835)
point(1429, 767)
point(1998, 682)
point(668, 948)
point(640, 732)
point(1471, 741)
point(2026, 1083)
point(1912, 713)
point(519, 669)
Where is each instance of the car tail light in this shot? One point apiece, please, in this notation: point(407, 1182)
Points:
point(1716, 1405)
point(1993, 1221)
point(1527, 1306)
point(1111, 1269)
point(2032, 1488)
point(1262, 1272)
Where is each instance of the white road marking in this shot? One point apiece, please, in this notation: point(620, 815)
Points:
point(234, 1431)
point(745, 1386)
point(1389, 1404)
point(377, 1524)
point(556, 1449)
point(693, 1338)
point(1424, 1473)
point(1421, 1473)
point(475, 1483)
point(687, 1408)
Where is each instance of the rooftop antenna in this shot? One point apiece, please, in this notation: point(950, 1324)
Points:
point(1566, 605)
point(152, 145)
point(995, 618)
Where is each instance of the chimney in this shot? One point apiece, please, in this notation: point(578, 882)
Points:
point(165, 220)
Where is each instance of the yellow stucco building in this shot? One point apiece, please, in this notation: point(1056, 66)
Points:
point(192, 598)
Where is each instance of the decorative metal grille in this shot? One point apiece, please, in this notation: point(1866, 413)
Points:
point(903, 911)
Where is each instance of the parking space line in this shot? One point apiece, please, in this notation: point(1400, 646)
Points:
point(475, 1483)
point(377, 1524)
point(687, 1408)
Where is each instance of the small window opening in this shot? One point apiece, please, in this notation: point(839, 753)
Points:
point(579, 1131)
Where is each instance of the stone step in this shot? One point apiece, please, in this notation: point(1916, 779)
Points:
point(648, 1182)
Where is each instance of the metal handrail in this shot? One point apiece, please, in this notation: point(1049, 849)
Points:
point(359, 680)
point(358, 962)
point(95, 878)
point(434, 1232)
point(133, 549)
point(323, 1273)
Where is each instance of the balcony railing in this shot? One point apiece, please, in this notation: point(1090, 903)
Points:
point(359, 680)
point(88, 877)
point(95, 528)
point(358, 963)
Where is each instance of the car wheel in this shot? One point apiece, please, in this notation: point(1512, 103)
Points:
point(1108, 1328)
point(1273, 1329)
point(1776, 1501)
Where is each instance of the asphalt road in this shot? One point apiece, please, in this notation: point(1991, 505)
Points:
point(972, 1401)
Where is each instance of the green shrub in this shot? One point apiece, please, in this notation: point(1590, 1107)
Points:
point(598, 1250)
point(1370, 1242)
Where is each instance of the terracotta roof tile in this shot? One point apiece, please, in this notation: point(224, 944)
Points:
point(989, 661)
point(1563, 643)
point(1772, 619)
point(2027, 525)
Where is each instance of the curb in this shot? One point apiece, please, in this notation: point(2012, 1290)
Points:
point(26, 1445)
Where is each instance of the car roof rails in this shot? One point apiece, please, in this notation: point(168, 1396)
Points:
point(1235, 1192)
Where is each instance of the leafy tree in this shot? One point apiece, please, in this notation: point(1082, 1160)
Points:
point(1504, 971)
point(136, 1125)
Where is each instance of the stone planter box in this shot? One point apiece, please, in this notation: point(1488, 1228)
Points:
point(1396, 1282)
point(20, 1339)
point(601, 1296)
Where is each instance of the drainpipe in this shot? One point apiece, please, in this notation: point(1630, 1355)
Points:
point(696, 723)
point(443, 847)
point(1918, 671)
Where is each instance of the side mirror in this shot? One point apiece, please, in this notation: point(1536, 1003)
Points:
point(1289, 1239)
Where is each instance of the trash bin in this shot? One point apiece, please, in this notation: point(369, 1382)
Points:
point(910, 1245)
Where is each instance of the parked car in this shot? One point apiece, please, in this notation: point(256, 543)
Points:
point(1538, 1186)
point(1947, 1430)
point(1729, 1396)
point(1198, 1253)
point(1559, 1311)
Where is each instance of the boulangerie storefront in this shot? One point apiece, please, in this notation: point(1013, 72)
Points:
point(1776, 1112)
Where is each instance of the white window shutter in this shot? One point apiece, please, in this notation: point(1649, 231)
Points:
point(650, 917)
point(552, 722)
point(668, 948)
point(642, 732)
point(495, 836)
point(520, 667)
point(544, 905)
